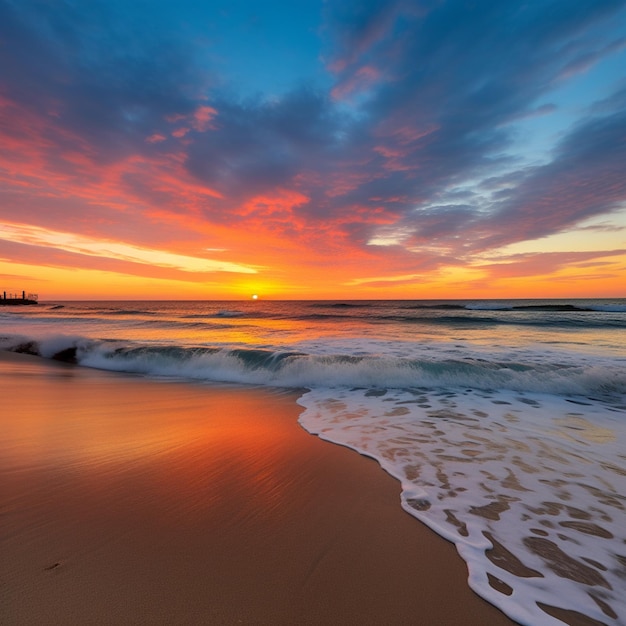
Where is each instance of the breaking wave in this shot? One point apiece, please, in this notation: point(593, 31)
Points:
point(449, 367)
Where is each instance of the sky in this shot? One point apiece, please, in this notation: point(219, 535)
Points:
point(160, 149)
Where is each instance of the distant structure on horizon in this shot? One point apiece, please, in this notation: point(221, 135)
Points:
point(15, 298)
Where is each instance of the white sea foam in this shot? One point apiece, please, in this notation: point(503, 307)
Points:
point(529, 487)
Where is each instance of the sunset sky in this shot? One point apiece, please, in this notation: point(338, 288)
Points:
point(161, 149)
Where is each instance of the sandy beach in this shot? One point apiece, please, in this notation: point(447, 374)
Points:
point(130, 501)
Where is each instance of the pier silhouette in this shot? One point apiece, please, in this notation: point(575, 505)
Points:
point(17, 299)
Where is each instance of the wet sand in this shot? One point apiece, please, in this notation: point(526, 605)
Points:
point(130, 501)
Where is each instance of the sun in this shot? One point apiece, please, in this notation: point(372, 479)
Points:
point(255, 297)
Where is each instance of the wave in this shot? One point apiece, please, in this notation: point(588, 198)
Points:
point(504, 306)
point(95, 311)
point(227, 313)
point(295, 369)
point(202, 316)
point(547, 307)
point(493, 315)
point(478, 321)
point(609, 308)
point(441, 307)
point(127, 312)
point(446, 320)
point(342, 305)
point(334, 316)
point(462, 320)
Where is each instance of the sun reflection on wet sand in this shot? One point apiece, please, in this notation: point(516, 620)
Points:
point(125, 500)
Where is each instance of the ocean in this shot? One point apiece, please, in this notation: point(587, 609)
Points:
point(504, 421)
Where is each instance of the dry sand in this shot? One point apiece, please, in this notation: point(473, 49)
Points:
point(129, 501)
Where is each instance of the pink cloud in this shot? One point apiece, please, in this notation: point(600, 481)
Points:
point(176, 117)
point(362, 80)
point(405, 133)
point(156, 138)
point(203, 117)
point(390, 152)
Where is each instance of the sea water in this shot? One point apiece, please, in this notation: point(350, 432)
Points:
point(504, 421)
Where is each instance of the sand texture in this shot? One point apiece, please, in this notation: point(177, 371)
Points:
point(130, 501)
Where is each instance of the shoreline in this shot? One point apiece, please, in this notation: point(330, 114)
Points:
point(131, 500)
